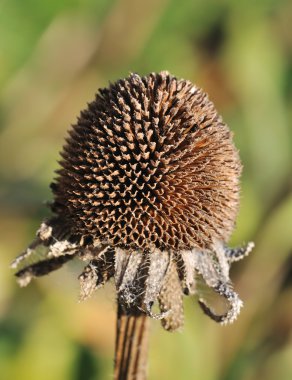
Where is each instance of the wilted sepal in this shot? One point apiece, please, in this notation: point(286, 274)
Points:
point(99, 270)
point(238, 253)
point(171, 300)
point(139, 277)
point(213, 265)
point(53, 239)
point(234, 301)
point(185, 263)
point(41, 268)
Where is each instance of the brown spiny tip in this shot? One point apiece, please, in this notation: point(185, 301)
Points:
point(149, 163)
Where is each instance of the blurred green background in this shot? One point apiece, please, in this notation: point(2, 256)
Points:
point(54, 55)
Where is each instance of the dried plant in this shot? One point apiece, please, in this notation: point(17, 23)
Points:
point(147, 193)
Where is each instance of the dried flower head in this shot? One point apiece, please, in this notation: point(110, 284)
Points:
point(147, 193)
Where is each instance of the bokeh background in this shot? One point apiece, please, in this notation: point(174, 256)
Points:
point(54, 55)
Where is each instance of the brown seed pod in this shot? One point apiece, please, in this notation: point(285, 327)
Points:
point(148, 192)
point(150, 163)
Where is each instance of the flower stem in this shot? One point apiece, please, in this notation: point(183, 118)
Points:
point(131, 351)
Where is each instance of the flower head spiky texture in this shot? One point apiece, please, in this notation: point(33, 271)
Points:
point(150, 164)
point(147, 193)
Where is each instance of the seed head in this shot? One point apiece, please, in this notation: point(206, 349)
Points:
point(148, 192)
point(150, 163)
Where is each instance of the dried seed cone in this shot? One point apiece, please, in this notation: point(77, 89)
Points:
point(149, 163)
